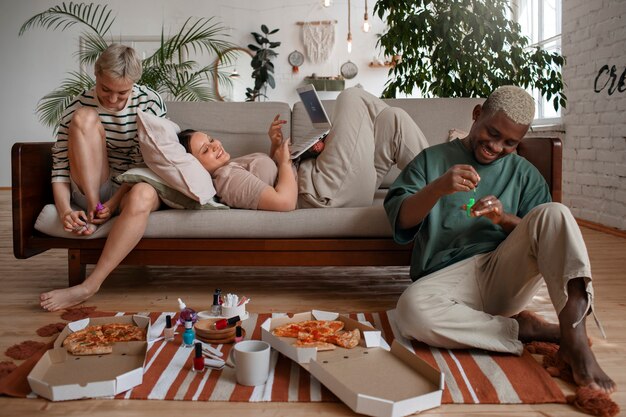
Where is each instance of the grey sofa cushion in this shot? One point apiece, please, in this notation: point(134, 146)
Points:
point(235, 223)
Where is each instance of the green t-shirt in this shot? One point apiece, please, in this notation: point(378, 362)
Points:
point(447, 235)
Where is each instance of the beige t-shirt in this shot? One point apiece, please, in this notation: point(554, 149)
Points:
point(239, 183)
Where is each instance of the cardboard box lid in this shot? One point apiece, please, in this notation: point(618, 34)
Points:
point(61, 376)
point(380, 383)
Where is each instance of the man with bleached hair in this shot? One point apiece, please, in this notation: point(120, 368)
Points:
point(476, 268)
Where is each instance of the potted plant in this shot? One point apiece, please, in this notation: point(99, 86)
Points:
point(167, 70)
point(463, 48)
point(262, 66)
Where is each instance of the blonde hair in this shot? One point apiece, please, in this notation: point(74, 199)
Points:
point(119, 61)
point(514, 101)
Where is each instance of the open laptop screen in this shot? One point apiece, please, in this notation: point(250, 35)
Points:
point(314, 107)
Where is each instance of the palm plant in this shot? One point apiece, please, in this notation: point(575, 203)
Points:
point(167, 70)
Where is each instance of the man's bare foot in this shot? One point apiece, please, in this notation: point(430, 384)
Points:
point(534, 328)
point(65, 297)
point(585, 367)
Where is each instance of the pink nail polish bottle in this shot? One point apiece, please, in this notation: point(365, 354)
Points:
point(238, 334)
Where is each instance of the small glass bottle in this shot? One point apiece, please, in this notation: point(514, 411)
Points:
point(216, 308)
point(189, 335)
point(168, 333)
point(186, 313)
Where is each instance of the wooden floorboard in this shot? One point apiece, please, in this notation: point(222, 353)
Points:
point(133, 288)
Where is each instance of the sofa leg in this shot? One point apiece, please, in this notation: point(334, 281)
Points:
point(75, 269)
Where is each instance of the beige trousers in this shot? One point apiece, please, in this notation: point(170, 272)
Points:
point(367, 138)
point(469, 304)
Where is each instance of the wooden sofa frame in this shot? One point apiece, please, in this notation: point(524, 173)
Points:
point(31, 191)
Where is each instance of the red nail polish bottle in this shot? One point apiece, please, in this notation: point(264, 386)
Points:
point(198, 360)
point(223, 323)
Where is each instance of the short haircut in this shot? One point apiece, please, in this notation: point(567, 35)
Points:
point(514, 101)
point(119, 61)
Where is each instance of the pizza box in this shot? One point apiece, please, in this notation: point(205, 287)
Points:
point(369, 378)
point(60, 376)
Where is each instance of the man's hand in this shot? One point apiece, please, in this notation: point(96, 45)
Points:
point(489, 207)
point(458, 178)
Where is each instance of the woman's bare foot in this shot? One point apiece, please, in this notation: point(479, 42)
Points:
point(585, 368)
point(534, 328)
point(66, 297)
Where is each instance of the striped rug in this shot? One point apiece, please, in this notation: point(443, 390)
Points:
point(471, 376)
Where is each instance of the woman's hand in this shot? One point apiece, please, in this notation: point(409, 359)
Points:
point(458, 178)
point(282, 155)
point(275, 131)
point(76, 222)
point(104, 212)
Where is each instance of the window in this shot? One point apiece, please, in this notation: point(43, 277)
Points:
point(541, 23)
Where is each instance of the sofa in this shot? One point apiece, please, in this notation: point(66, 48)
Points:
point(359, 236)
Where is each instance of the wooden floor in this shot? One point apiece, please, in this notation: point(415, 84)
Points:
point(271, 289)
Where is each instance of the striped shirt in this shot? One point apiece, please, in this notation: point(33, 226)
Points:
point(120, 128)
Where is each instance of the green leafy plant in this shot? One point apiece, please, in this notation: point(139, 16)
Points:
point(463, 48)
point(167, 70)
point(262, 66)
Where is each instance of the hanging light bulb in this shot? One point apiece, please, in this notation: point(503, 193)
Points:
point(234, 74)
point(349, 31)
point(326, 3)
point(366, 22)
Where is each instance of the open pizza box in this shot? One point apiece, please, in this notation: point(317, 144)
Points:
point(60, 376)
point(369, 378)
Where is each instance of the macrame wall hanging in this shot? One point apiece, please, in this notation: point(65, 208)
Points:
point(319, 39)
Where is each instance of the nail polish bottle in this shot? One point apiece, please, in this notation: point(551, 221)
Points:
point(189, 335)
point(168, 333)
point(216, 308)
point(223, 323)
point(198, 360)
point(186, 313)
point(238, 334)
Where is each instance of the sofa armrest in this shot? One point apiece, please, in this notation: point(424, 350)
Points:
point(31, 165)
point(546, 153)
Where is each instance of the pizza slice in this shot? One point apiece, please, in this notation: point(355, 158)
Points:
point(323, 327)
point(345, 339)
point(88, 341)
point(123, 332)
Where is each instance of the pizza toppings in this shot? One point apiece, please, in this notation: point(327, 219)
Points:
point(321, 334)
point(99, 339)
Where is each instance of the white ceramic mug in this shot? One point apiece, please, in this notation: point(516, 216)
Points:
point(252, 362)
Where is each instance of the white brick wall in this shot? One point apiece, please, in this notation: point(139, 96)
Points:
point(594, 165)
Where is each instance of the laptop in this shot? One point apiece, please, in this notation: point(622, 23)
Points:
point(317, 114)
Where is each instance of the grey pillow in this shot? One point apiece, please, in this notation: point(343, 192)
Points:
point(170, 196)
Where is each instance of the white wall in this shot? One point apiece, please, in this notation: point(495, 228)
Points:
point(34, 64)
point(594, 171)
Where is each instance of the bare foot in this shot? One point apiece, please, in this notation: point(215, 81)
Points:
point(585, 367)
point(534, 328)
point(65, 297)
